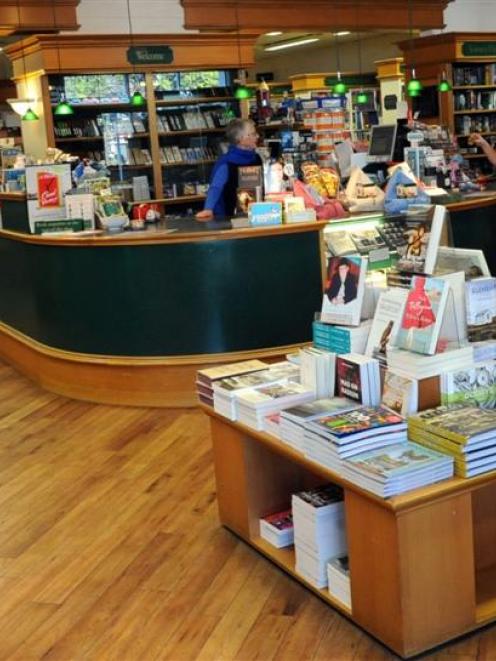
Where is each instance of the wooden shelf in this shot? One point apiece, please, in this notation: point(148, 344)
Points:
point(85, 138)
point(191, 102)
point(285, 559)
point(131, 166)
point(486, 594)
point(171, 134)
point(184, 198)
point(104, 106)
point(474, 112)
point(467, 135)
point(187, 163)
point(473, 87)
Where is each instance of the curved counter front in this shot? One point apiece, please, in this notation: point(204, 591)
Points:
point(129, 318)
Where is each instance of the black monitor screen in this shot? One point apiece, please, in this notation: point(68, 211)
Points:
point(382, 141)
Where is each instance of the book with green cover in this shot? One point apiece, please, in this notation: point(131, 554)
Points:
point(475, 386)
point(462, 424)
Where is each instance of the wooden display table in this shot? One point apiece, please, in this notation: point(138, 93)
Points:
point(422, 565)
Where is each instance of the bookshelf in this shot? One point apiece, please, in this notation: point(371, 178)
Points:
point(173, 140)
point(422, 564)
point(469, 62)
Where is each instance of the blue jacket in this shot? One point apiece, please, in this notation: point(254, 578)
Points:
point(220, 175)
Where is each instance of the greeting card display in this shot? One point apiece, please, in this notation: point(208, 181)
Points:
point(343, 295)
point(46, 187)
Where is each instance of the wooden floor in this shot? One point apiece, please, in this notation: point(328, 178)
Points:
point(110, 548)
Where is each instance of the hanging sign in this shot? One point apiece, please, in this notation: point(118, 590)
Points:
point(479, 48)
point(150, 55)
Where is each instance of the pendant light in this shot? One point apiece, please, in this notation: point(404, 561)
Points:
point(340, 87)
point(137, 99)
point(362, 96)
point(414, 86)
point(63, 108)
point(444, 85)
point(242, 92)
point(22, 107)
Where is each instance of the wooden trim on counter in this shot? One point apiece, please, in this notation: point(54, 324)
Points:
point(156, 237)
point(473, 203)
point(123, 380)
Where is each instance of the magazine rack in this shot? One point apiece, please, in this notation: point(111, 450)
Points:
point(422, 564)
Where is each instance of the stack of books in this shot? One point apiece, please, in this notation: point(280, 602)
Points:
point(226, 390)
point(341, 339)
point(330, 439)
point(338, 579)
point(319, 531)
point(294, 419)
point(419, 366)
point(396, 469)
point(466, 433)
point(278, 529)
point(255, 404)
point(272, 424)
point(359, 379)
point(318, 370)
point(206, 378)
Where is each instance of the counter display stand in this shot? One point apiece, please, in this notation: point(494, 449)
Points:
point(422, 564)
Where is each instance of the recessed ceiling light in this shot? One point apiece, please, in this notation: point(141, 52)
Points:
point(291, 44)
point(272, 34)
point(341, 34)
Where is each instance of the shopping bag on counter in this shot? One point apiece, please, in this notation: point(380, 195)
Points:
point(402, 191)
point(362, 194)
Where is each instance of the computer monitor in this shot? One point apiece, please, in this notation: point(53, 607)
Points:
point(382, 141)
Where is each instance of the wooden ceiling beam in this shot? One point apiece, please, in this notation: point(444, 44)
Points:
point(322, 15)
point(30, 16)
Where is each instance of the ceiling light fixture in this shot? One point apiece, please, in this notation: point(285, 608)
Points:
point(340, 87)
point(292, 44)
point(444, 84)
point(242, 92)
point(273, 34)
point(344, 33)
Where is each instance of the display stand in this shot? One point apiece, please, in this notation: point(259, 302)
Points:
point(422, 565)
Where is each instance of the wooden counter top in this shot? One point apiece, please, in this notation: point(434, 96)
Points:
point(476, 202)
point(193, 232)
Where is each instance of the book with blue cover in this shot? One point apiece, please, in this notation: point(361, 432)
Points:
point(265, 213)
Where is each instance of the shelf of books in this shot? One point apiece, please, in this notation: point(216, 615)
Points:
point(362, 461)
point(192, 111)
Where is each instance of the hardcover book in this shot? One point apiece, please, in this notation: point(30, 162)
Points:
point(423, 315)
point(421, 237)
point(480, 298)
point(472, 262)
point(344, 290)
point(475, 386)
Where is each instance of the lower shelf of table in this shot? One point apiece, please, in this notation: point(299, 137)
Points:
point(486, 597)
point(285, 559)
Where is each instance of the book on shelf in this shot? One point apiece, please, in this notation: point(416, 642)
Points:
point(358, 378)
point(421, 237)
point(338, 579)
point(472, 262)
point(344, 290)
point(480, 298)
point(319, 531)
point(318, 369)
point(341, 339)
point(397, 468)
point(278, 529)
point(475, 386)
point(468, 434)
point(294, 419)
point(386, 322)
point(400, 393)
point(423, 366)
point(422, 320)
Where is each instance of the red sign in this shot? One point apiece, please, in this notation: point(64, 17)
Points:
point(48, 190)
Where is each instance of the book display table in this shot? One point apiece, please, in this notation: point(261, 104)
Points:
point(422, 564)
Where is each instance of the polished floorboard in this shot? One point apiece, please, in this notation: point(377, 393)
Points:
point(110, 548)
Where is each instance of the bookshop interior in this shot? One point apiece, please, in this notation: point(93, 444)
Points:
point(248, 330)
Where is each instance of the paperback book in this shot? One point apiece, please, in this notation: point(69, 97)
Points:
point(423, 315)
point(400, 394)
point(386, 322)
point(344, 290)
point(421, 237)
point(480, 298)
point(472, 262)
point(278, 529)
point(358, 378)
